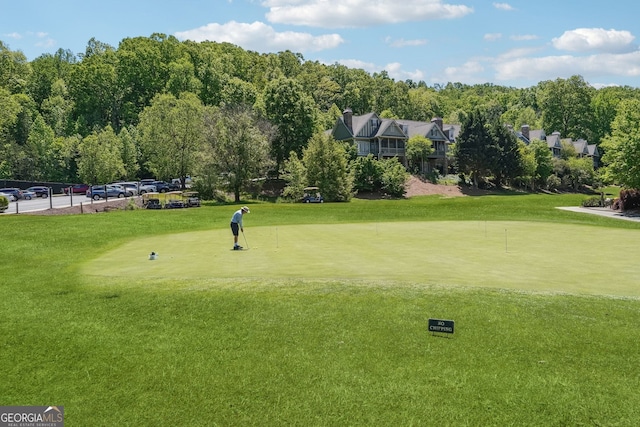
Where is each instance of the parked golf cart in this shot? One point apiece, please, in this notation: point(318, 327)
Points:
point(151, 200)
point(191, 199)
point(312, 195)
point(174, 200)
point(153, 204)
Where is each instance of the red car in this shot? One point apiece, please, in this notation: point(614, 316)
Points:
point(77, 189)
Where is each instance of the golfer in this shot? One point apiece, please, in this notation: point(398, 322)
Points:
point(236, 226)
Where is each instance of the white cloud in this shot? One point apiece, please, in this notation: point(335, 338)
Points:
point(15, 36)
point(492, 37)
point(359, 13)
point(467, 73)
point(503, 6)
point(396, 72)
point(46, 43)
point(595, 39)
point(261, 37)
point(517, 53)
point(394, 69)
point(627, 65)
point(403, 43)
point(524, 37)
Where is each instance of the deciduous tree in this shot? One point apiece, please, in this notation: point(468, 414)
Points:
point(622, 148)
point(171, 135)
point(100, 159)
point(293, 113)
point(326, 162)
point(238, 146)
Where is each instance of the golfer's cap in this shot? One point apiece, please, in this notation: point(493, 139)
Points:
point(245, 209)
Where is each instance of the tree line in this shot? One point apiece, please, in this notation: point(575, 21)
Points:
point(156, 106)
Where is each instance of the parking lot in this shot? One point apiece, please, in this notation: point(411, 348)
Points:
point(57, 201)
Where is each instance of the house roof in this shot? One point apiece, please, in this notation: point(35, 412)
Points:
point(370, 125)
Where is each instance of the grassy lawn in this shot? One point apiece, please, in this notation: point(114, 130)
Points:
point(323, 321)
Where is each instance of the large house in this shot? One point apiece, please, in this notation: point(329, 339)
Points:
point(386, 138)
point(554, 142)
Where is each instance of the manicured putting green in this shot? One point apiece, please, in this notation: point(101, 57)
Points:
point(514, 255)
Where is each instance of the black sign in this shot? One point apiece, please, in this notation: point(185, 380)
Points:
point(442, 326)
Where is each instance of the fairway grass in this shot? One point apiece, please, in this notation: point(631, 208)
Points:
point(541, 257)
point(323, 321)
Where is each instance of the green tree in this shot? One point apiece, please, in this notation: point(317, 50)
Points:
point(182, 77)
point(144, 70)
point(419, 148)
point(171, 135)
point(508, 163)
point(15, 70)
point(293, 113)
point(326, 164)
point(40, 149)
point(543, 161)
point(100, 157)
point(579, 172)
point(367, 173)
point(57, 109)
point(566, 106)
point(528, 171)
point(238, 143)
point(236, 91)
point(394, 177)
point(475, 147)
point(622, 148)
point(423, 104)
point(93, 88)
point(48, 69)
point(295, 173)
point(129, 154)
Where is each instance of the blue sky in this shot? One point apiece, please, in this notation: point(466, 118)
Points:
point(513, 43)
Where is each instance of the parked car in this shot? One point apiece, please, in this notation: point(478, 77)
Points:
point(187, 182)
point(28, 195)
point(40, 191)
point(17, 193)
point(161, 186)
point(77, 189)
point(128, 192)
point(9, 196)
point(138, 187)
point(97, 192)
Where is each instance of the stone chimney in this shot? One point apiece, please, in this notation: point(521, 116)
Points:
point(347, 117)
point(524, 129)
point(438, 122)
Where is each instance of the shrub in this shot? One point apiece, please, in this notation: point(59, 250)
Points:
point(4, 203)
point(629, 199)
point(553, 182)
point(367, 174)
point(592, 202)
point(394, 177)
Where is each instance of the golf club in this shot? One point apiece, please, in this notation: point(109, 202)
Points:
point(245, 240)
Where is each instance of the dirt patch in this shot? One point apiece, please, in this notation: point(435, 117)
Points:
point(420, 187)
